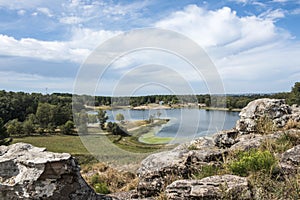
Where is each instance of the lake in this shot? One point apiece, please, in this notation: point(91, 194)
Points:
point(184, 123)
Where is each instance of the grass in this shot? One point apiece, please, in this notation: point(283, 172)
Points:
point(61, 144)
point(150, 138)
point(56, 143)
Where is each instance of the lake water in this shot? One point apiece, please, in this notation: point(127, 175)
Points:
point(184, 123)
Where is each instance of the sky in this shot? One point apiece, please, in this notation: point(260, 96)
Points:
point(254, 45)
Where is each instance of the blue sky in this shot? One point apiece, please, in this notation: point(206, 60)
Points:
point(255, 45)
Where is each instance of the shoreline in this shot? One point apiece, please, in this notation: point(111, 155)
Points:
point(162, 107)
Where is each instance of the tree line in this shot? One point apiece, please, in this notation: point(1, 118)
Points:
point(26, 113)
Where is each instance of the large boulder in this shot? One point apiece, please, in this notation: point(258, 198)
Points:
point(273, 109)
point(214, 187)
point(290, 160)
point(159, 170)
point(28, 172)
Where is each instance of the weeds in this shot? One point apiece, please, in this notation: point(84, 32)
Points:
point(252, 161)
point(265, 125)
point(206, 171)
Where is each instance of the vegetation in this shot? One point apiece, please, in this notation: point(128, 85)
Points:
point(4, 136)
point(105, 179)
point(252, 161)
point(294, 96)
point(102, 117)
point(120, 117)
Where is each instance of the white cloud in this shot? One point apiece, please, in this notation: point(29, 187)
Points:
point(222, 27)
point(71, 20)
point(272, 14)
point(296, 11)
point(45, 11)
point(75, 50)
point(250, 48)
point(21, 12)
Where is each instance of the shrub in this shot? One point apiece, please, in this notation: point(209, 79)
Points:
point(99, 185)
point(252, 161)
point(101, 188)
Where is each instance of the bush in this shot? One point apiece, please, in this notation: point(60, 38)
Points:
point(101, 188)
point(252, 161)
point(99, 185)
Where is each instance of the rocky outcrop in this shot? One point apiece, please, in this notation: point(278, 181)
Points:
point(214, 187)
point(274, 109)
point(28, 172)
point(161, 170)
point(290, 161)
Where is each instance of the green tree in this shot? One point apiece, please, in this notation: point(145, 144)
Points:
point(294, 97)
point(44, 115)
point(67, 128)
point(120, 117)
point(102, 117)
point(4, 136)
point(14, 127)
point(115, 129)
point(28, 127)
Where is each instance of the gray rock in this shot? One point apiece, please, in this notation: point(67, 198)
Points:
point(28, 172)
point(290, 160)
point(225, 139)
point(214, 187)
point(159, 170)
point(274, 109)
point(247, 142)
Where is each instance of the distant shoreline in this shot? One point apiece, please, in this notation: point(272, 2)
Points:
point(162, 107)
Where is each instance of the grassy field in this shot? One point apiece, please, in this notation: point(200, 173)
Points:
point(61, 144)
point(56, 143)
point(112, 149)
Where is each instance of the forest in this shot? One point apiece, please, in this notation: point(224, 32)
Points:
point(35, 113)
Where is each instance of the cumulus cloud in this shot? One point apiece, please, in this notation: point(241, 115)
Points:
point(248, 48)
point(45, 11)
point(77, 49)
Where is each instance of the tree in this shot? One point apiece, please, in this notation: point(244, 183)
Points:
point(28, 127)
point(43, 114)
point(67, 128)
point(14, 127)
point(294, 97)
point(102, 117)
point(4, 136)
point(115, 129)
point(120, 117)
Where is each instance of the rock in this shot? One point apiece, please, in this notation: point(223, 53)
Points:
point(214, 187)
point(28, 172)
point(274, 109)
point(225, 139)
point(201, 143)
point(159, 170)
point(290, 160)
point(156, 171)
